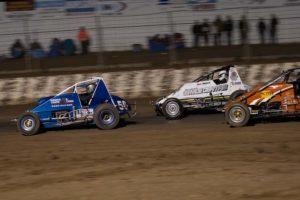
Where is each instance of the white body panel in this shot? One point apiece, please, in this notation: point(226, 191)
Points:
point(208, 88)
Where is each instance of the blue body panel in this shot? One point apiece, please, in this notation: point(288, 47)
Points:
point(101, 95)
point(50, 109)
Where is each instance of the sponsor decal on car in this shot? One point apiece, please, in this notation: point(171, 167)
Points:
point(194, 91)
point(236, 83)
point(265, 94)
point(84, 113)
point(203, 83)
point(64, 102)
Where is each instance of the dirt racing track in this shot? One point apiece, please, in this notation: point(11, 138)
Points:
point(198, 157)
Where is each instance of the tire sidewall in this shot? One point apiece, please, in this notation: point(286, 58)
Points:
point(236, 94)
point(103, 111)
point(174, 103)
point(29, 116)
point(246, 117)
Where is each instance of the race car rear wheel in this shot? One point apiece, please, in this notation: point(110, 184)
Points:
point(172, 109)
point(236, 94)
point(29, 124)
point(237, 115)
point(106, 116)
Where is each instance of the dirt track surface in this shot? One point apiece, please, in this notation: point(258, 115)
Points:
point(149, 158)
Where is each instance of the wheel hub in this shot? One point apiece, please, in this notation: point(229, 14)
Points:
point(237, 115)
point(27, 124)
point(172, 108)
point(107, 117)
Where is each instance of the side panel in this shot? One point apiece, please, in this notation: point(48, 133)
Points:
point(201, 90)
point(101, 95)
point(64, 102)
point(281, 93)
point(234, 82)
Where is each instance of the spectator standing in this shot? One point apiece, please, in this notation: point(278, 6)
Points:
point(261, 27)
point(228, 27)
point(17, 50)
point(84, 40)
point(218, 29)
point(205, 31)
point(244, 28)
point(273, 29)
point(197, 31)
point(214, 33)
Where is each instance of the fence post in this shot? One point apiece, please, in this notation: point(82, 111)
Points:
point(28, 61)
point(247, 48)
point(172, 51)
point(99, 33)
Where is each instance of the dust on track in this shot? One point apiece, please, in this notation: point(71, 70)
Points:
point(198, 157)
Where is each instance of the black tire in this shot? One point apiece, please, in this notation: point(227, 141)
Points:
point(106, 116)
point(29, 124)
point(237, 115)
point(236, 94)
point(172, 109)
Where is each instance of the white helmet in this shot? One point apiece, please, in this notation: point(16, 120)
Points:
point(222, 75)
point(90, 88)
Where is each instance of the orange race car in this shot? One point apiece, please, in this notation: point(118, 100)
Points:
point(278, 97)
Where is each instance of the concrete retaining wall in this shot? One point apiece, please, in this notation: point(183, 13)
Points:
point(130, 84)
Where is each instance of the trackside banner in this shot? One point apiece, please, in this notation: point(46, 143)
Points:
point(54, 8)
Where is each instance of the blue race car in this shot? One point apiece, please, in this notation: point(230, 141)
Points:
point(86, 102)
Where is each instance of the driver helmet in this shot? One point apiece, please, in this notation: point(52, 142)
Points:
point(222, 75)
point(90, 88)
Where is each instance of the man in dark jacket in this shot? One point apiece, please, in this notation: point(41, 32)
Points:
point(273, 29)
point(228, 27)
point(243, 26)
point(205, 31)
point(197, 31)
point(261, 26)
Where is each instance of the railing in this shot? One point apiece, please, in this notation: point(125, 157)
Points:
point(124, 39)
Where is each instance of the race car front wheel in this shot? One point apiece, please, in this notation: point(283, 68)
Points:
point(172, 109)
point(237, 115)
point(29, 124)
point(106, 116)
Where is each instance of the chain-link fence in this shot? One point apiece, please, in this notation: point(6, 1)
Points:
point(150, 39)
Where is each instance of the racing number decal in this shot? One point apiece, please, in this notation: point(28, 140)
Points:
point(122, 105)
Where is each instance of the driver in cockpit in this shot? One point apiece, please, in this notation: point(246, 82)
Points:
point(87, 95)
point(222, 76)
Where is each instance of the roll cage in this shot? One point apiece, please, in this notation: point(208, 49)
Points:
point(210, 76)
point(74, 87)
point(285, 75)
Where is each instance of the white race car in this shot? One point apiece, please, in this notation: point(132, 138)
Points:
point(211, 91)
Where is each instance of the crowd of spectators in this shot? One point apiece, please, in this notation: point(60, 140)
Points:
point(220, 32)
point(56, 48)
point(205, 33)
